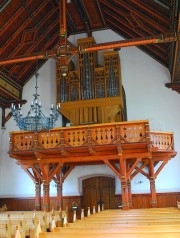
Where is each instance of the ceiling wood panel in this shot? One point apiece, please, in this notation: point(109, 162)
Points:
point(22, 20)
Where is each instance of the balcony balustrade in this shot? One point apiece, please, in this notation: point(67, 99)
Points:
point(126, 147)
point(122, 133)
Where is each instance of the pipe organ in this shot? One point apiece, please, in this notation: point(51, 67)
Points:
point(92, 94)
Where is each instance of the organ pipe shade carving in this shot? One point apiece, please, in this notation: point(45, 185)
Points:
point(87, 76)
point(92, 87)
point(63, 89)
point(112, 80)
point(74, 86)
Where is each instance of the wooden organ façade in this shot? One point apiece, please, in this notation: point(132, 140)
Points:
point(92, 100)
point(92, 94)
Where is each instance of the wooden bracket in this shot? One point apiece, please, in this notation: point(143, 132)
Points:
point(8, 105)
point(113, 167)
point(71, 167)
point(5, 118)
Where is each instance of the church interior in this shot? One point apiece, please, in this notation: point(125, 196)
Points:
point(107, 74)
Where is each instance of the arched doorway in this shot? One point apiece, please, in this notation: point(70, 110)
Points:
point(98, 190)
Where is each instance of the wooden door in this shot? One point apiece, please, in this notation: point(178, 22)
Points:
point(98, 190)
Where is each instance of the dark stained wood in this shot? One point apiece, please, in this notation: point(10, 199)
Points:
point(98, 191)
point(168, 199)
point(163, 200)
point(175, 80)
point(21, 20)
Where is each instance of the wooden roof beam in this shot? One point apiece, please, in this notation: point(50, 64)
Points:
point(134, 27)
point(151, 11)
point(24, 69)
point(151, 48)
point(147, 19)
point(43, 36)
point(14, 18)
point(102, 16)
point(175, 75)
point(22, 28)
point(156, 39)
point(70, 23)
point(80, 8)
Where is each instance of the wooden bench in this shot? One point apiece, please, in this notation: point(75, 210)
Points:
point(133, 223)
point(27, 222)
point(166, 234)
point(114, 229)
point(143, 223)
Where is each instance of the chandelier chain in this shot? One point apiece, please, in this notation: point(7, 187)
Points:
point(35, 119)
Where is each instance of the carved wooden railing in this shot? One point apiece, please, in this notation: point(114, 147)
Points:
point(98, 134)
point(162, 140)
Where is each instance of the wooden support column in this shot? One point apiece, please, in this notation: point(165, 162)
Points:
point(46, 198)
point(38, 196)
point(153, 193)
point(59, 191)
point(125, 203)
point(129, 193)
point(152, 184)
point(59, 196)
point(124, 187)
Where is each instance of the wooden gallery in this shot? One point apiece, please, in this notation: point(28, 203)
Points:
point(112, 142)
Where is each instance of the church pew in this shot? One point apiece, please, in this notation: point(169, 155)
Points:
point(3, 229)
point(27, 222)
point(8, 227)
point(120, 222)
point(109, 229)
point(143, 223)
point(166, 234)
point(143, 211)
point(163, 223)
point(139, 215)
point(159, 224)
point(32, 216)
point(119, 225)
point(163, 219)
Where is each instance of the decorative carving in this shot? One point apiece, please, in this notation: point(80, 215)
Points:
point(113, 133)
point(28, 37)
point(162, 140)
point(89, 84)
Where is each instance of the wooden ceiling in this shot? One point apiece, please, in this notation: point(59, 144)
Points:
point(22, 20)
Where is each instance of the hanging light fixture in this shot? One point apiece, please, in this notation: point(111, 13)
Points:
point(35, 119)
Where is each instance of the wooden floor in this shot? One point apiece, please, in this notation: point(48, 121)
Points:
point(134, 223)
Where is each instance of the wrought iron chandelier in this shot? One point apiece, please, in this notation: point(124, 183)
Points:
point(35, 119)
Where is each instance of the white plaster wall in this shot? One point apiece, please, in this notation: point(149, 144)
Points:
point(73, 184)
point(147, 98)
point(14, 182)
